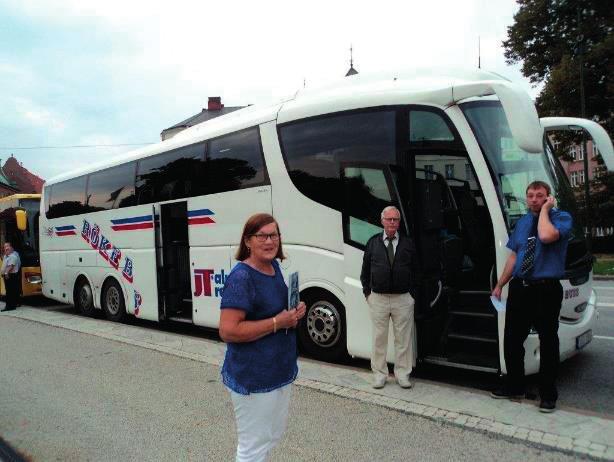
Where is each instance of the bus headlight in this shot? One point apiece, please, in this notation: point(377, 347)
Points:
point(33, 278)
point(581, 307)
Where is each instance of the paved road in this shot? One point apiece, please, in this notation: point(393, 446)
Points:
point(586, 381)
point(70, 396)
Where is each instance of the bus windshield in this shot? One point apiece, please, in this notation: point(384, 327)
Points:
point(513, 167)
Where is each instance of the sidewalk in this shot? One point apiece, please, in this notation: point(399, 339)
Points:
point(564, 430)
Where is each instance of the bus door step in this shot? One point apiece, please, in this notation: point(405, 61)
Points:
point(463, 363)
point(473, 338)
point(180, 319)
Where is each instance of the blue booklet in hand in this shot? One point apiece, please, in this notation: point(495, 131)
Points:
point(293, 292)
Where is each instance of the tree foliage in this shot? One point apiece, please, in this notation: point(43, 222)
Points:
point(552, 38)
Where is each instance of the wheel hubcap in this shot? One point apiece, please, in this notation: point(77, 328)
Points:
point(85, 296)
point(324, 324)
point(113, 300)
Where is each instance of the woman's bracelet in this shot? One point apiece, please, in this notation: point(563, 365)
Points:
point(274, 325)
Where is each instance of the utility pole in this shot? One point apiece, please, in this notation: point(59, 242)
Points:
point(587, 189)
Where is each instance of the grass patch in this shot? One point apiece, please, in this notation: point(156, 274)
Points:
point(604, 265)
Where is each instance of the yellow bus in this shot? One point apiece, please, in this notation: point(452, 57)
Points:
point(19, 225)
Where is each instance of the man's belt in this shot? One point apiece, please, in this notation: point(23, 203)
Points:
point(537, 282)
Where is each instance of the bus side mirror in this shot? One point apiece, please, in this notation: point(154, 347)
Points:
point(21, 216)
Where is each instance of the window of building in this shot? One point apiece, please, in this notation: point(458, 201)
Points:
point(449, 170)
point(428, 169)
point(581, 177)
point(573, 179)
point(234, 161)
point(314, 150)
point(580, 151)
point(171, 175)
point(468, 172)
point(111, 188)
point(67, 198)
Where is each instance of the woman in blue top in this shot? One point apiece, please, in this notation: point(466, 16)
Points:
point(261, 356)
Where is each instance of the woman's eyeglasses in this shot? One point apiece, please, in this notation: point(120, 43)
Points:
point(261, 237)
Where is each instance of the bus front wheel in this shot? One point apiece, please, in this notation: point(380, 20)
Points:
point(84, 298)
point(113, 303)
point(321, 333)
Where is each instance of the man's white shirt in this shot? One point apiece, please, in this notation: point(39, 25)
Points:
point(395, 241)
point(11, 259)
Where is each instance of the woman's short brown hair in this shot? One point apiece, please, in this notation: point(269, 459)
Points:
point(251, 227)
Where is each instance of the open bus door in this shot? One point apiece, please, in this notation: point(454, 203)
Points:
point(455, 323)
point(598, 134)
point(367, 189)
point(174, 262)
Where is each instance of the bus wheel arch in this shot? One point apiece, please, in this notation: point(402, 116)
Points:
point(83, 296)
point(112, 300)
point(322, 332)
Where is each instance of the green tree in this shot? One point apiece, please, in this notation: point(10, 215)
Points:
point(551, 38)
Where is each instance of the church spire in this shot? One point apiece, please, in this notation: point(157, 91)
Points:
point(351, 70)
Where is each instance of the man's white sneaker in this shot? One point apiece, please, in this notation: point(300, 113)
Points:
point(379, 382)
point(404, 382)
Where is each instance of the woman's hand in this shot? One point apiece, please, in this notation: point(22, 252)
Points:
point(288, 319)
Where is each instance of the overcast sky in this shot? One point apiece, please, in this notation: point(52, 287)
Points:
point(81, 72)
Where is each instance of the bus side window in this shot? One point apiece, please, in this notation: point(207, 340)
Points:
point(161, 177)
point(68, 198)
point(314, 150)
point(367, 194)
point(111, 188)
point(234, 162)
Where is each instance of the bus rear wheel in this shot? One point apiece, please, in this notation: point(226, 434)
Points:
point(321, 332)
point(84, 298)
point(113, 303)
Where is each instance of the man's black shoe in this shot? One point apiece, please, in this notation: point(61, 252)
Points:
point(547, 406)
point(502, 393)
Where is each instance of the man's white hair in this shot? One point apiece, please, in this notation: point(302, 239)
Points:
point(388, 209)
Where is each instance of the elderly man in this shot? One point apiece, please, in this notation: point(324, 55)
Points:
point(10, 272)
point(389, 266)
point(535, 267)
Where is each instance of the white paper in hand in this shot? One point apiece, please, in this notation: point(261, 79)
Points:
point(498, 304)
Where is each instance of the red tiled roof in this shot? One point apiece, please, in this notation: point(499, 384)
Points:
point(26, 181)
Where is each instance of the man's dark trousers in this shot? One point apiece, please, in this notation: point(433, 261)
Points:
point(538, 305)
point(12, 290)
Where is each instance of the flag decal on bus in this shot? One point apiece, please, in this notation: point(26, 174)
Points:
point(68, 230)
point(200, 217)
point(132, 223)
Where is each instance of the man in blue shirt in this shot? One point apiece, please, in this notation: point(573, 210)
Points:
point(535, 266)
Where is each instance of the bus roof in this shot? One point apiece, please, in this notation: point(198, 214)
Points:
point(19, 196)
point(441, 87)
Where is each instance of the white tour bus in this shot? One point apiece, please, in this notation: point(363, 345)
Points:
point(153, 233)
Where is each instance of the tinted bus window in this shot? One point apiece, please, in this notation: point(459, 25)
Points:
point(111, 188)
point(428, 126)
point(315, 148)
point(234, 162)
point(172, 175)
point(67, 198)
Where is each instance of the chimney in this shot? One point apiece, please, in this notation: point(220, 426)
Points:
point(215, 103)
